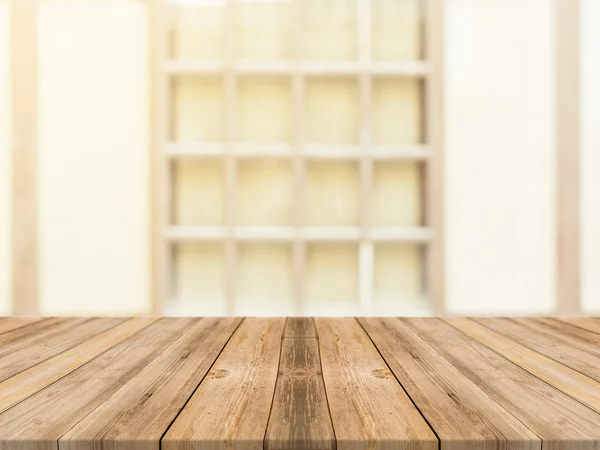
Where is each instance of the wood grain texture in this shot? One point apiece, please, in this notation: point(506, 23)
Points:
point(587, 323)
point(38, 422)
point(139, 413)
point(15, 359)
point(369, 409)
point(12, 323)
point(32, 380)
point(543, 337)
point(567, 380)
point(462, 414)
point(300, 384)
point(300, 414)
point(559, 420)
point(231, 407)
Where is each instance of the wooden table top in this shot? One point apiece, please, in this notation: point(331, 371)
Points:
point(292, 384)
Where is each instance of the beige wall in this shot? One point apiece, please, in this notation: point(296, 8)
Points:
point(500, 157)
point(93, 163)
point(5, 265)
point(590, 156)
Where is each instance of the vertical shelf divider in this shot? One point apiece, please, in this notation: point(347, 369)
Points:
point(230, 79)
point(366, 257)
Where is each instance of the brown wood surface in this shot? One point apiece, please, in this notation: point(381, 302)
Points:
point(299, 384)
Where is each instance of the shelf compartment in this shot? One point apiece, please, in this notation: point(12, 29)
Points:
point(264, 284)
point(198, 109)
point(332, 112)
point(263, 109)
point(264, 192)
point(263, 30)
point(397, 111)
point(398, 277)
point(198, 192)
point(332, 194)
point(331, 278)
point(329, 30)
point(196, 31)
point(398, 29)
point(198, 279)
point(397, 191)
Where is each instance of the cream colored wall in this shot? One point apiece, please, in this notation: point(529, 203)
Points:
point(93, 162)
point(500, 154)
point(5, 188)
point(590, 156)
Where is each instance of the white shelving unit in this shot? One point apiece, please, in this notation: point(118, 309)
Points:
point(293, 157)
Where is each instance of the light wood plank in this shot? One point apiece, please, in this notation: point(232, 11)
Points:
point(231, 407)
point(369, 409)
point(581, 356)
point(300, 327)
point(38, 422)
point(23, 335)
point(587, 323)
point(13, 361)
point(558, 375)
point(139, 413)
point(12, 323)
point(300, 414)
point(34, 379)
point(463, 416)
point(24, 105)
point(558, 419)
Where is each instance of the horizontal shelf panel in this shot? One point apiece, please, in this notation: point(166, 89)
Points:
point(404, 68)
point(378, 234)
point(200, 150)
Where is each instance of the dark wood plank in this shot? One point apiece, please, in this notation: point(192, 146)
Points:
point(300, 327)
point(138, 414)
point(12, 323)
point(230, 409)
point(463, 416)
point(36, 378)
point(15, 360)
point(38, 422)
point(369, 409)
point(567, 380)
point(300, 416)
point(558, 419)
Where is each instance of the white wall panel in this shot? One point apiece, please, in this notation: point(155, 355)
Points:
point(93, 172)
point(590, 156)
point(500, 156)
point(5, 183)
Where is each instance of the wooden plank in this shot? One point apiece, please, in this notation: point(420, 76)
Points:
point(139, 413)
point(39, 421)
point(12, 323)
point(300, 415)
point(36, 378)
point(568, 13)
point(369, 409)
point(231, 407)
point(558, 375)
point(13, 361)
point(463, 416)
point(24, 105)
point(300, 327)
point(587, 323)
point(581, 356)
point(558, 419)
point(23, 335)
point(573, 334)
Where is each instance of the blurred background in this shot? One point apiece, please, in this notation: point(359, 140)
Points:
point(299, 157)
